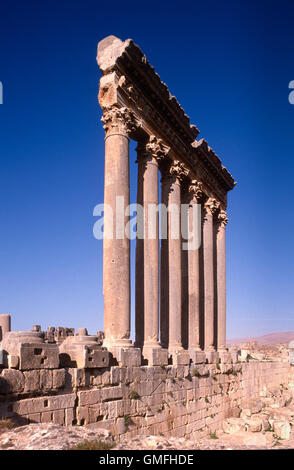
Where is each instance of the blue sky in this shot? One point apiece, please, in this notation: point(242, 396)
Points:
point(228, 63)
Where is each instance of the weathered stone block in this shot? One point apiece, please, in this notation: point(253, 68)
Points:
point(127, 357)
point(156, 356)
point(58, 378)
point(11, 381)
point(181, 358)
point(46, 380)
point(69, 416)
point(83, 351)
point(212, 357)
point(58, 417)
point(197, 357)
point(89, 397)
point(47, 417)
point(32, 380)
point(38, 356)
point(225, 357)
point(12, 361)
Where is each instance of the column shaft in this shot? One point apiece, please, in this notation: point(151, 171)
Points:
point(175, 270)
point(139, 275)
point(221, 282)
point(151, 254)
point(164, 270)
point(116, 251)
point(208, 281)
point(194, 290)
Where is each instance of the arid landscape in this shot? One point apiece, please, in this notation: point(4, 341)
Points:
point(282, 337)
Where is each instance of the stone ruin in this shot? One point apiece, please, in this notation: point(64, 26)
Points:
point(178, 378)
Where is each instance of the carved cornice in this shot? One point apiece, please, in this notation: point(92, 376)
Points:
point(213, 164)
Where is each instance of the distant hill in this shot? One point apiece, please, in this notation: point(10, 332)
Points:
point(272, 338)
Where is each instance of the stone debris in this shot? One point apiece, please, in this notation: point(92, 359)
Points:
point(50, 437)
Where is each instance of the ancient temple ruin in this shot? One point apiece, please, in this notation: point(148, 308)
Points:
point(180, 296)
point(177, 377)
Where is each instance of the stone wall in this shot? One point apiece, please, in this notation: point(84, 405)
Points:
point(177, 401)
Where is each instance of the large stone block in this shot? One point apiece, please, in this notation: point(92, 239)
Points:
point(32, 380)
point(58, 378)
point(46, 379)
point(127, 357)
point(156, 356)
point(181, 358)
point(197, 357)
point(38, 356)
point(212, 357)
point(83, 352)
point(11, 381)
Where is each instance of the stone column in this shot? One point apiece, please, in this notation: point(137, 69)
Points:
point(116, 243)
point(151, 254)
point(164, 267)
point(210, 207)
point(195, 197)
point(221, 280)
point(5, 324)
point(173, 181)
point(139, 268)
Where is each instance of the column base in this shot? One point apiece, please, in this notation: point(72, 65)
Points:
point(233, 351)
point(197, 356)
point(212, 357)
point(156, 356)
point(126, 357)
point(180, 357)
point(224, 357)
point(117, 343)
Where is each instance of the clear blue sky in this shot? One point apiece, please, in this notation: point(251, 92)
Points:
point(229, 64)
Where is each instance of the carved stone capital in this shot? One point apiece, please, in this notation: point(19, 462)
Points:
point(178, 170)
point(211, 206)
point(157, 148)
point(118, 121)
point(195, 190)
point(222, 219)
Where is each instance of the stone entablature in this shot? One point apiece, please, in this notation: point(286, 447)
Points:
point(130, 83)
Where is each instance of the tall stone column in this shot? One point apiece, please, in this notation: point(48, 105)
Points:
point(210, 208)
point(151, 254)
point(116, 243)
point(221, 280)
point(139, 268)
point(164, 266)
point(195, 197)
point(173, 184)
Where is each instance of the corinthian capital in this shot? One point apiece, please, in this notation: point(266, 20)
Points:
point(222, 219)
point(157, 148)
point(211, 206)
point(195, 189)
point(118, 120)
point(178, 169)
